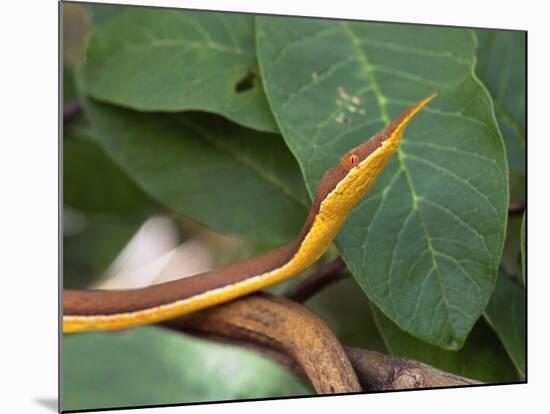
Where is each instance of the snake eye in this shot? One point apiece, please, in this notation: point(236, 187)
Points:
point(353, 160)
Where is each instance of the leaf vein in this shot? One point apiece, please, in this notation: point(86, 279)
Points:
point(407, 75)
point(330, 70)
point(456, 177)
point(304, 39)
point(392, 260)
point(460, 220)
point(420, 52)
point(268, 178)
point(421, 292)
point(467, 274)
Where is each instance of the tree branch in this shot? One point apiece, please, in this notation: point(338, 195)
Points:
point(293, 336)
point(378, 372)
point(284, 327)
point(516, 208)
point(324, 276)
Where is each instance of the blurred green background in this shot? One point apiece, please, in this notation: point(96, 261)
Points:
point(115, 235)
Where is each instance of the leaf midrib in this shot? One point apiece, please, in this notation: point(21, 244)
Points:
point(382, 104)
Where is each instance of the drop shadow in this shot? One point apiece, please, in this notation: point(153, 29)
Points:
point(49, 403)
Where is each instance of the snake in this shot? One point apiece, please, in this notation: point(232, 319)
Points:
point(339, 190)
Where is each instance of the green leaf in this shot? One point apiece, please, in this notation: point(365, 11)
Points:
point(232, 179)
point(481, 358)
point(501, 66)
point(69, 89)
point(511, 255)
point(101, 203)
point(523, 252)
point(346, 311)
point(148, 366)
point(506, 314)
point(103, 13)
point(77, 125)
point(92, 249)
point(426, 242)
point(517, 187)
point(93, 183)
point(175, 60)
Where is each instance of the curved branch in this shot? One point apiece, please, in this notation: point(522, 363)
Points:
point(283, 326)
point(378, 372)
point(293, 336)
point(516, 208)
point(323, 277)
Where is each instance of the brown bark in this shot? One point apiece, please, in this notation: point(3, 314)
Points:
point(324, 276)
point(283, 326)
point(296, 338)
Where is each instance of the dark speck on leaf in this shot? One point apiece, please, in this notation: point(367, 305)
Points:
point(247, 82)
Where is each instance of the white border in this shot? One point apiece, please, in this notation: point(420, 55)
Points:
point(29, 202)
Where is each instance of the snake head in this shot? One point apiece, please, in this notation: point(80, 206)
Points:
point(358, 168)
point(389, 137)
